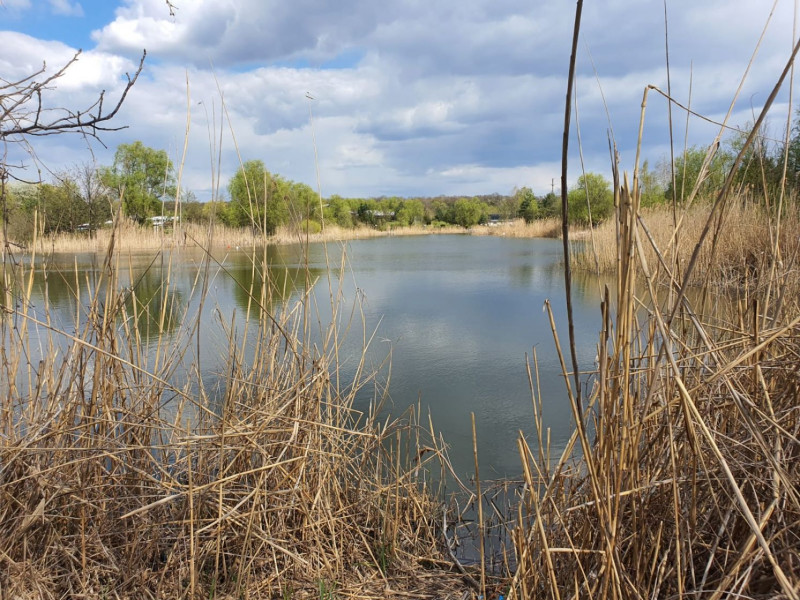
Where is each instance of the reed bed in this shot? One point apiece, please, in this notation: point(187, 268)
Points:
point(118, 482)
point(681, 479)
point(130, 236)
point(518, 228)
point(743, 253)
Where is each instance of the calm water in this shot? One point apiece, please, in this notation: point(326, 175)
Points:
point(458, 314)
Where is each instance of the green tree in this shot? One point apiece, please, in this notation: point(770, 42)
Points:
point(550, 206)
point(443, 211)
point(469, 212)
point(651, 189)
point(303, 201)
point(18, 212)
point(411, 212)
point(338, 211)
point(257, 198)
point(94, 193)
point(142, 177)
point(527, 206)
point(61, 207)
point(761, 169)
point(593, 192)
point(692, 172)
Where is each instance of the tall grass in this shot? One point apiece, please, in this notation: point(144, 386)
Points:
point(518, 228)
point(122, 478)
point(681, 479)
point(741, 256)
point(689, 483)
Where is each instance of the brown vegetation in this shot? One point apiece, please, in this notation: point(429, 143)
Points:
point(686, 481)
point(117, 482)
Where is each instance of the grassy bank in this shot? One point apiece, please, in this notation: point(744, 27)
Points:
point(129, 236)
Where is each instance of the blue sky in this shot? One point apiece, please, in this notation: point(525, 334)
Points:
point(411, 97)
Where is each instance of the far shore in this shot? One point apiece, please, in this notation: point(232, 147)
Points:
point(129, 237)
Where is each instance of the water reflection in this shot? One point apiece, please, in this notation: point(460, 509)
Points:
point(458, 314)
point(268, 277)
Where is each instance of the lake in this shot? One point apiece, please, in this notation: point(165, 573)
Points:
point(458, 314)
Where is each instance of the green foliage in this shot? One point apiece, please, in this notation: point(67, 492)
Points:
point(469, 212)
point(550, 206)
point(411, 212)
point(327, 590)
point(338, 211)
point(310, 226)
point(18, 212)
point(652, 191)
point(443, 212)
point(761, 169)
point(61, 207)
point(689, 167)
point(142, 177)
point(302, 200)
point(593, 192)
point(527, 206)
point(257, 199)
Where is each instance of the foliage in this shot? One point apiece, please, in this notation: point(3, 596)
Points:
point(651, 188)
point(60, 206)
point(695, 170)
point(469, 212)
point(761, 169)
point(527, 206)
point(443, 212)
point(338, 211)
point(591, 196)
point(143, 177)
point(310, 226)
point(411, 212)
point(302, 200)
point(257, 198)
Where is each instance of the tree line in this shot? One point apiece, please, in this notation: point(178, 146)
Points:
point(141, 183)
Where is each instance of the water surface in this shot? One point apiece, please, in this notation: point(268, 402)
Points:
point(458, 314)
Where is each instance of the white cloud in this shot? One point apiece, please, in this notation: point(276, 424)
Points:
point(17, 5)
point(66, 8)
point(428, 97)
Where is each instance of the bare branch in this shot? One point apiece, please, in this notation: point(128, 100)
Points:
point(17, 121)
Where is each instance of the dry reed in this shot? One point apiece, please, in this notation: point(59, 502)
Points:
point(686, 481)
point(132, 237)
point(117, 482)
point(744, 247)
point(518, 228)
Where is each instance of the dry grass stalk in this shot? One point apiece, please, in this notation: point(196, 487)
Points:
point(540, 228)
point(116, 481)
point(690, 483)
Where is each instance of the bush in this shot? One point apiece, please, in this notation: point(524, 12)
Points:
point(310, 226)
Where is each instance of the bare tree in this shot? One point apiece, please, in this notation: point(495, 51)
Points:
point(24, 113)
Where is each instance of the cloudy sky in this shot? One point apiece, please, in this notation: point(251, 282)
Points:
point(410, 97)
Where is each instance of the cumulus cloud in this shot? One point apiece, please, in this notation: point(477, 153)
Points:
point(66, 8)
point(414, 97)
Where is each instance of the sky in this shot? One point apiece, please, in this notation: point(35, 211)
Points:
point(401, 97)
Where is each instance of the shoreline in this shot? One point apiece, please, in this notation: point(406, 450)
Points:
point(129, 237)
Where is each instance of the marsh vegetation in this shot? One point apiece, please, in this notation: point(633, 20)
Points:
point(679, 478)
